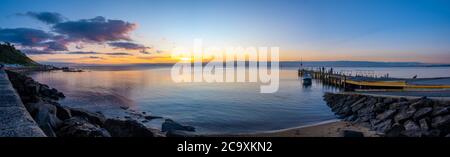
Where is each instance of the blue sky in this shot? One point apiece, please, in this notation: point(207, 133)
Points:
point(379, 30)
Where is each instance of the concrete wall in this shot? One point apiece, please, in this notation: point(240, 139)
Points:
point(15, 121)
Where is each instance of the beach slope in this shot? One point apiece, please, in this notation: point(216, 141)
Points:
point(330, 129)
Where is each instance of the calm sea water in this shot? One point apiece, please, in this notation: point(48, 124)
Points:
point(210, 107)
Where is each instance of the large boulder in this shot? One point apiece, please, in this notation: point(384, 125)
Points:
point(386, 115)
point(437, 111)
point(363, 118)
point(344, 111)
point(422, 112)
point(411, 125)
point(358, 102)
point(424, 124)
point(388, 101)
point(380, 107)
point(351, 99)
point(422, 102)
point(367, 110)
point(129, 128)
point(62, 112)
point(169, 125)
point(32, 88)
point(371, 101)
point(398, 105)
point(404, 115)
point(341, 101)
point(384, 126)
point(395, 131)
point(349, 118)
point(80, 127)
point(95, 118)
point(441, 121)
point(45, 116)
point(374, 122)
point(357, 107)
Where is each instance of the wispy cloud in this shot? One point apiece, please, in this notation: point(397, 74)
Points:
point(118, 54)
point(82, 52)
point(46, 17)
point(55, 46)
point(36, 52)
point(99, 53)
point(144, 51)
point(97, 29)
point(153, 57)
point(128, 46)
point(92, 57)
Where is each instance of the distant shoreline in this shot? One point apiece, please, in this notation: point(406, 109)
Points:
point(282, 64)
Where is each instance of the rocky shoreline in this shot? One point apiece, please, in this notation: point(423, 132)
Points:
point(393, 116)
point(57, 120)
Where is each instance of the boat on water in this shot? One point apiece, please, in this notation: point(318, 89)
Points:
point(307, 79)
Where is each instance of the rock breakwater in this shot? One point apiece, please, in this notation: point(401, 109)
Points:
point(393, 116)
point(57, 120)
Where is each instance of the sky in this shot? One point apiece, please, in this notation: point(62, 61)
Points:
point(146, 31)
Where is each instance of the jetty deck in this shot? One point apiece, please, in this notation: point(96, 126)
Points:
point(15, 121)
point(353, 83)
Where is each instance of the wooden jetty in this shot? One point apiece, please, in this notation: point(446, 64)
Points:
point(372, 82)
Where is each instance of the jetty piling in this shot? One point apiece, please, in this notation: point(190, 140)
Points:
point(326, 77)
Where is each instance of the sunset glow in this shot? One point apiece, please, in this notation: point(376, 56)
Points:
point(109, 33)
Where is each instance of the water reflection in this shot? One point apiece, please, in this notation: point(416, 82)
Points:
point(210, 107)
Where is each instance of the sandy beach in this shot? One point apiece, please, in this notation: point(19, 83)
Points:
point(326, 129)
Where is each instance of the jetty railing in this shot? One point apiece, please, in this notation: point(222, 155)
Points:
point(352, 80)
point(368, 80)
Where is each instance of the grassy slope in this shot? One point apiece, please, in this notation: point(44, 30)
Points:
point(10, 55)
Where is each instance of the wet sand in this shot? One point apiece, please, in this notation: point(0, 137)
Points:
point(329, 129)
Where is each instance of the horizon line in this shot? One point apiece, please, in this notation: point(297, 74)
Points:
point(417, 63)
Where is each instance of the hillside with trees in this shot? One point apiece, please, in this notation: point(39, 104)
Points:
point(10, 55)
